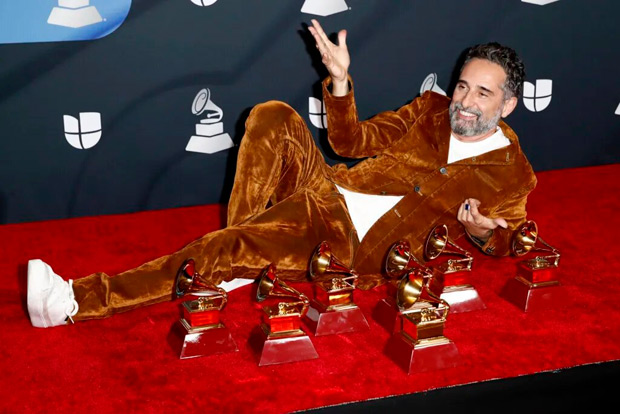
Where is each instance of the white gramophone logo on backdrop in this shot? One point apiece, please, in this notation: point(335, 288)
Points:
point(74, 14)
point(537, 98)
point(317, 112)
point(539, 2)
point(203, 2)
point(430, 84)
point(210, 136)
point(85, 132)
point(324, 7)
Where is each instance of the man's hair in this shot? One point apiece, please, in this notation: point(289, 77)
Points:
point(508, 59)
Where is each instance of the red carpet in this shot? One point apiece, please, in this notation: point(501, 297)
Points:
point(125, 363)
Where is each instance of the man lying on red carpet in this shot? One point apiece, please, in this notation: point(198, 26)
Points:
point(433, 161)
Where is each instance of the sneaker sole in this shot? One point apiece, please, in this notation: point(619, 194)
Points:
point(37, 276)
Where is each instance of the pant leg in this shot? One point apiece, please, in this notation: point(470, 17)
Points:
point(277, 157)
point(306, 209)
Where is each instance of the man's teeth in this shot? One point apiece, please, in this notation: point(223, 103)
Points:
point(468, 114)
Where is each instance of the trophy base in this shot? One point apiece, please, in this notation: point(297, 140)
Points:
point(333, 322)
point(425, 355)
point(386, 314)
point(281, 350)
point(209, 144)
point(195, 342)
point(463, 298)
point(532, 296)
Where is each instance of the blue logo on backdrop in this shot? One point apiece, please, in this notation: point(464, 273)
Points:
point(28, 21)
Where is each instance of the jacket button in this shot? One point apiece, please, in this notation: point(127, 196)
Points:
point(443, 170)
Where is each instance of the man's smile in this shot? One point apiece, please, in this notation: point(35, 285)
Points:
point(468, 116)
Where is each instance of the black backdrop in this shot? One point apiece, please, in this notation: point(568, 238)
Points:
point(143, 78)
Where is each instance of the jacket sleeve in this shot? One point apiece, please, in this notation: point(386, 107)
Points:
point(513, 211)
point(354, 139)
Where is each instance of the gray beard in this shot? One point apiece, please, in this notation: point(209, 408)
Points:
point(477, 127)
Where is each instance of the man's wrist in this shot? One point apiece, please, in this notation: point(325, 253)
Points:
point(481, 240)
point(340, 87)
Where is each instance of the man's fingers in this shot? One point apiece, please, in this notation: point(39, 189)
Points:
point(477, 218)
point(316, 26)
point(500, 222)
point(475, 214)
point(324, 40)
point(342, 38)
point(463, 214)
point(474, 222)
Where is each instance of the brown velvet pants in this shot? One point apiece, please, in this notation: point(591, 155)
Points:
point(282, 205)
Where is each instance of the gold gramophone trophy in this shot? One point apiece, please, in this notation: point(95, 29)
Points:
point(200, 328)
point(458, 291)
point(536, 284)
point(282, 338)
point(418, 343)
point(332, 311)
point(398, 262)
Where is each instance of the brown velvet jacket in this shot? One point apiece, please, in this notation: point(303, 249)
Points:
point(407, 152)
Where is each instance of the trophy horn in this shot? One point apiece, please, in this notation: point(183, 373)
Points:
point(436, 242)
point(190, 282)
point(439, 242)
point(526, 239)
point(400, 259)
point(416, 286)
point(270, 286)
point(409, 289)
point(325, 266)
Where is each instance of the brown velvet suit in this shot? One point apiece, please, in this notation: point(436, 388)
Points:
point(412, 144)
point(284, 201)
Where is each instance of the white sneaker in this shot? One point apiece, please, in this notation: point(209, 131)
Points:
point(50, 299)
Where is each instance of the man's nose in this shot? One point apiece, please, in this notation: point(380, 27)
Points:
point(468, 100)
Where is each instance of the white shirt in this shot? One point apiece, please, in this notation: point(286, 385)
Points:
point(460, 150)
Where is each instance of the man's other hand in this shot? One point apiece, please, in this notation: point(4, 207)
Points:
point(335, 57)
point(475, 223)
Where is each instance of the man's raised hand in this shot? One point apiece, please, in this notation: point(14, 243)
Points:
point(475, 223)
point(335, 57)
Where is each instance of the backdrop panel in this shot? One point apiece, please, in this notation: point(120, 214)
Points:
point(135, 76)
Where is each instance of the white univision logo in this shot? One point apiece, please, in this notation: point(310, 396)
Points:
point(539, 2)
point(324, 7)
point(210, 136)
point(317, 113)
point(85, 132)
point(74, 14)
point(203, 2)
point(537, 98)
point(430, 84)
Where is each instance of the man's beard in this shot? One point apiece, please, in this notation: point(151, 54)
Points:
point(475, 127)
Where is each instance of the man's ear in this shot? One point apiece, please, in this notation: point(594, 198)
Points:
point(509, 106)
